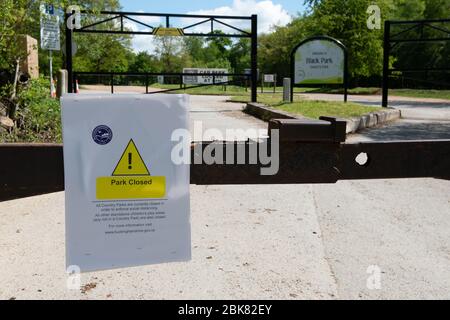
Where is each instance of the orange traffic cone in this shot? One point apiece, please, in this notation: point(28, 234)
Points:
point(77, 88)
point(53, 89)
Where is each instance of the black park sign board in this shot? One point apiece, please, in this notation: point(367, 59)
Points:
point(319, 61)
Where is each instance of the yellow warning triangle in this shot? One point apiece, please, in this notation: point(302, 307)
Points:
point(131, 163)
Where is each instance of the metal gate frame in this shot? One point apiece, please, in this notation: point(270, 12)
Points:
point(390, 41)
point(309, 152)
point(121, 17)
point(146, 76)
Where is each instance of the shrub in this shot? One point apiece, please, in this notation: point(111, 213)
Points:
point(38, 116)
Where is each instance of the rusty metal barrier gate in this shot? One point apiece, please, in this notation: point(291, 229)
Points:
point(311, 151)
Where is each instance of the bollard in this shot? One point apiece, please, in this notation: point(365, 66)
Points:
point(287, 90)
point(61, 87)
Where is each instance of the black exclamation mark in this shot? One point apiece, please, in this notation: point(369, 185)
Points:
point(129, 160)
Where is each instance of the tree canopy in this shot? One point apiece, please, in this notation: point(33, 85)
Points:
point(341, 19)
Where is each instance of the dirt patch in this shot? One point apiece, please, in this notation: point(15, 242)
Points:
point(88, 287)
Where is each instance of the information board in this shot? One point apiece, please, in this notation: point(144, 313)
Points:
point(319, 61)
point(269, 78)
point(127, 201)
point(50, 33)
point(207, 78)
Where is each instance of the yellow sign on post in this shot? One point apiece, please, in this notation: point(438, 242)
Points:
point(172, 32)
point(131, 179)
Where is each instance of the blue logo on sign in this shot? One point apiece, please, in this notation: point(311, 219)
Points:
point(102, 135)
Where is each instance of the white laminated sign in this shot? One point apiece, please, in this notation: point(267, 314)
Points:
point(127, 202)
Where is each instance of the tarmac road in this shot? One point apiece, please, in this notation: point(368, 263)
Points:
point(411, 108)
point(257, 242)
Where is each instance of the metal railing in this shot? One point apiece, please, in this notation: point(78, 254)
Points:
point(242, 79)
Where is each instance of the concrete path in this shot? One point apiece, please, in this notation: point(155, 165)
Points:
point(258, 246)
point(207, 113)
point(257, 242)
point(213, 112)
point(117, 89)
point(399, 226)
point(422, 118)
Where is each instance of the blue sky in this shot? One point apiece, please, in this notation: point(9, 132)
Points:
point(183, 6)
point(270, 13)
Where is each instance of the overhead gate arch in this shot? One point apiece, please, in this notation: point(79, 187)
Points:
point(120, 18)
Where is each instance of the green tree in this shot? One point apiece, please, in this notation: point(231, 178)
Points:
point(144, 62)
point(239, 55)
point(23, 17)
point(171, 54)
point(105, 53)
point(194, 47)
point(212, 52)
point(426, 55)
point(275, 48)
point(346, 20)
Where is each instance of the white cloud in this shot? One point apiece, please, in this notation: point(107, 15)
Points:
point(142, 42)
point(269, 15)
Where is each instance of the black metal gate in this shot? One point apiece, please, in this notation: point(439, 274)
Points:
point(413, 32)
point(121, 17)
point(310, 151)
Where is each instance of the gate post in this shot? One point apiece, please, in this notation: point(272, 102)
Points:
point(287, 97)
point(386, 51)
point(61, 87)
point(69, 62)
point(254, 58)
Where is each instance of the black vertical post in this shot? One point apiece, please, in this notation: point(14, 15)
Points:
point(112, 83)
point(69, 62)
point(167, 22)
point(275, 83)
point(262, 83)
point(74, 81)
point(345, 75)
point(146, 83)
point(254, 58)
point(386, 53)
point(292, 72)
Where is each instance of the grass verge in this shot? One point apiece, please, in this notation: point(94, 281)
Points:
point(417, 93)
point(314, 109)
point(410, 93)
